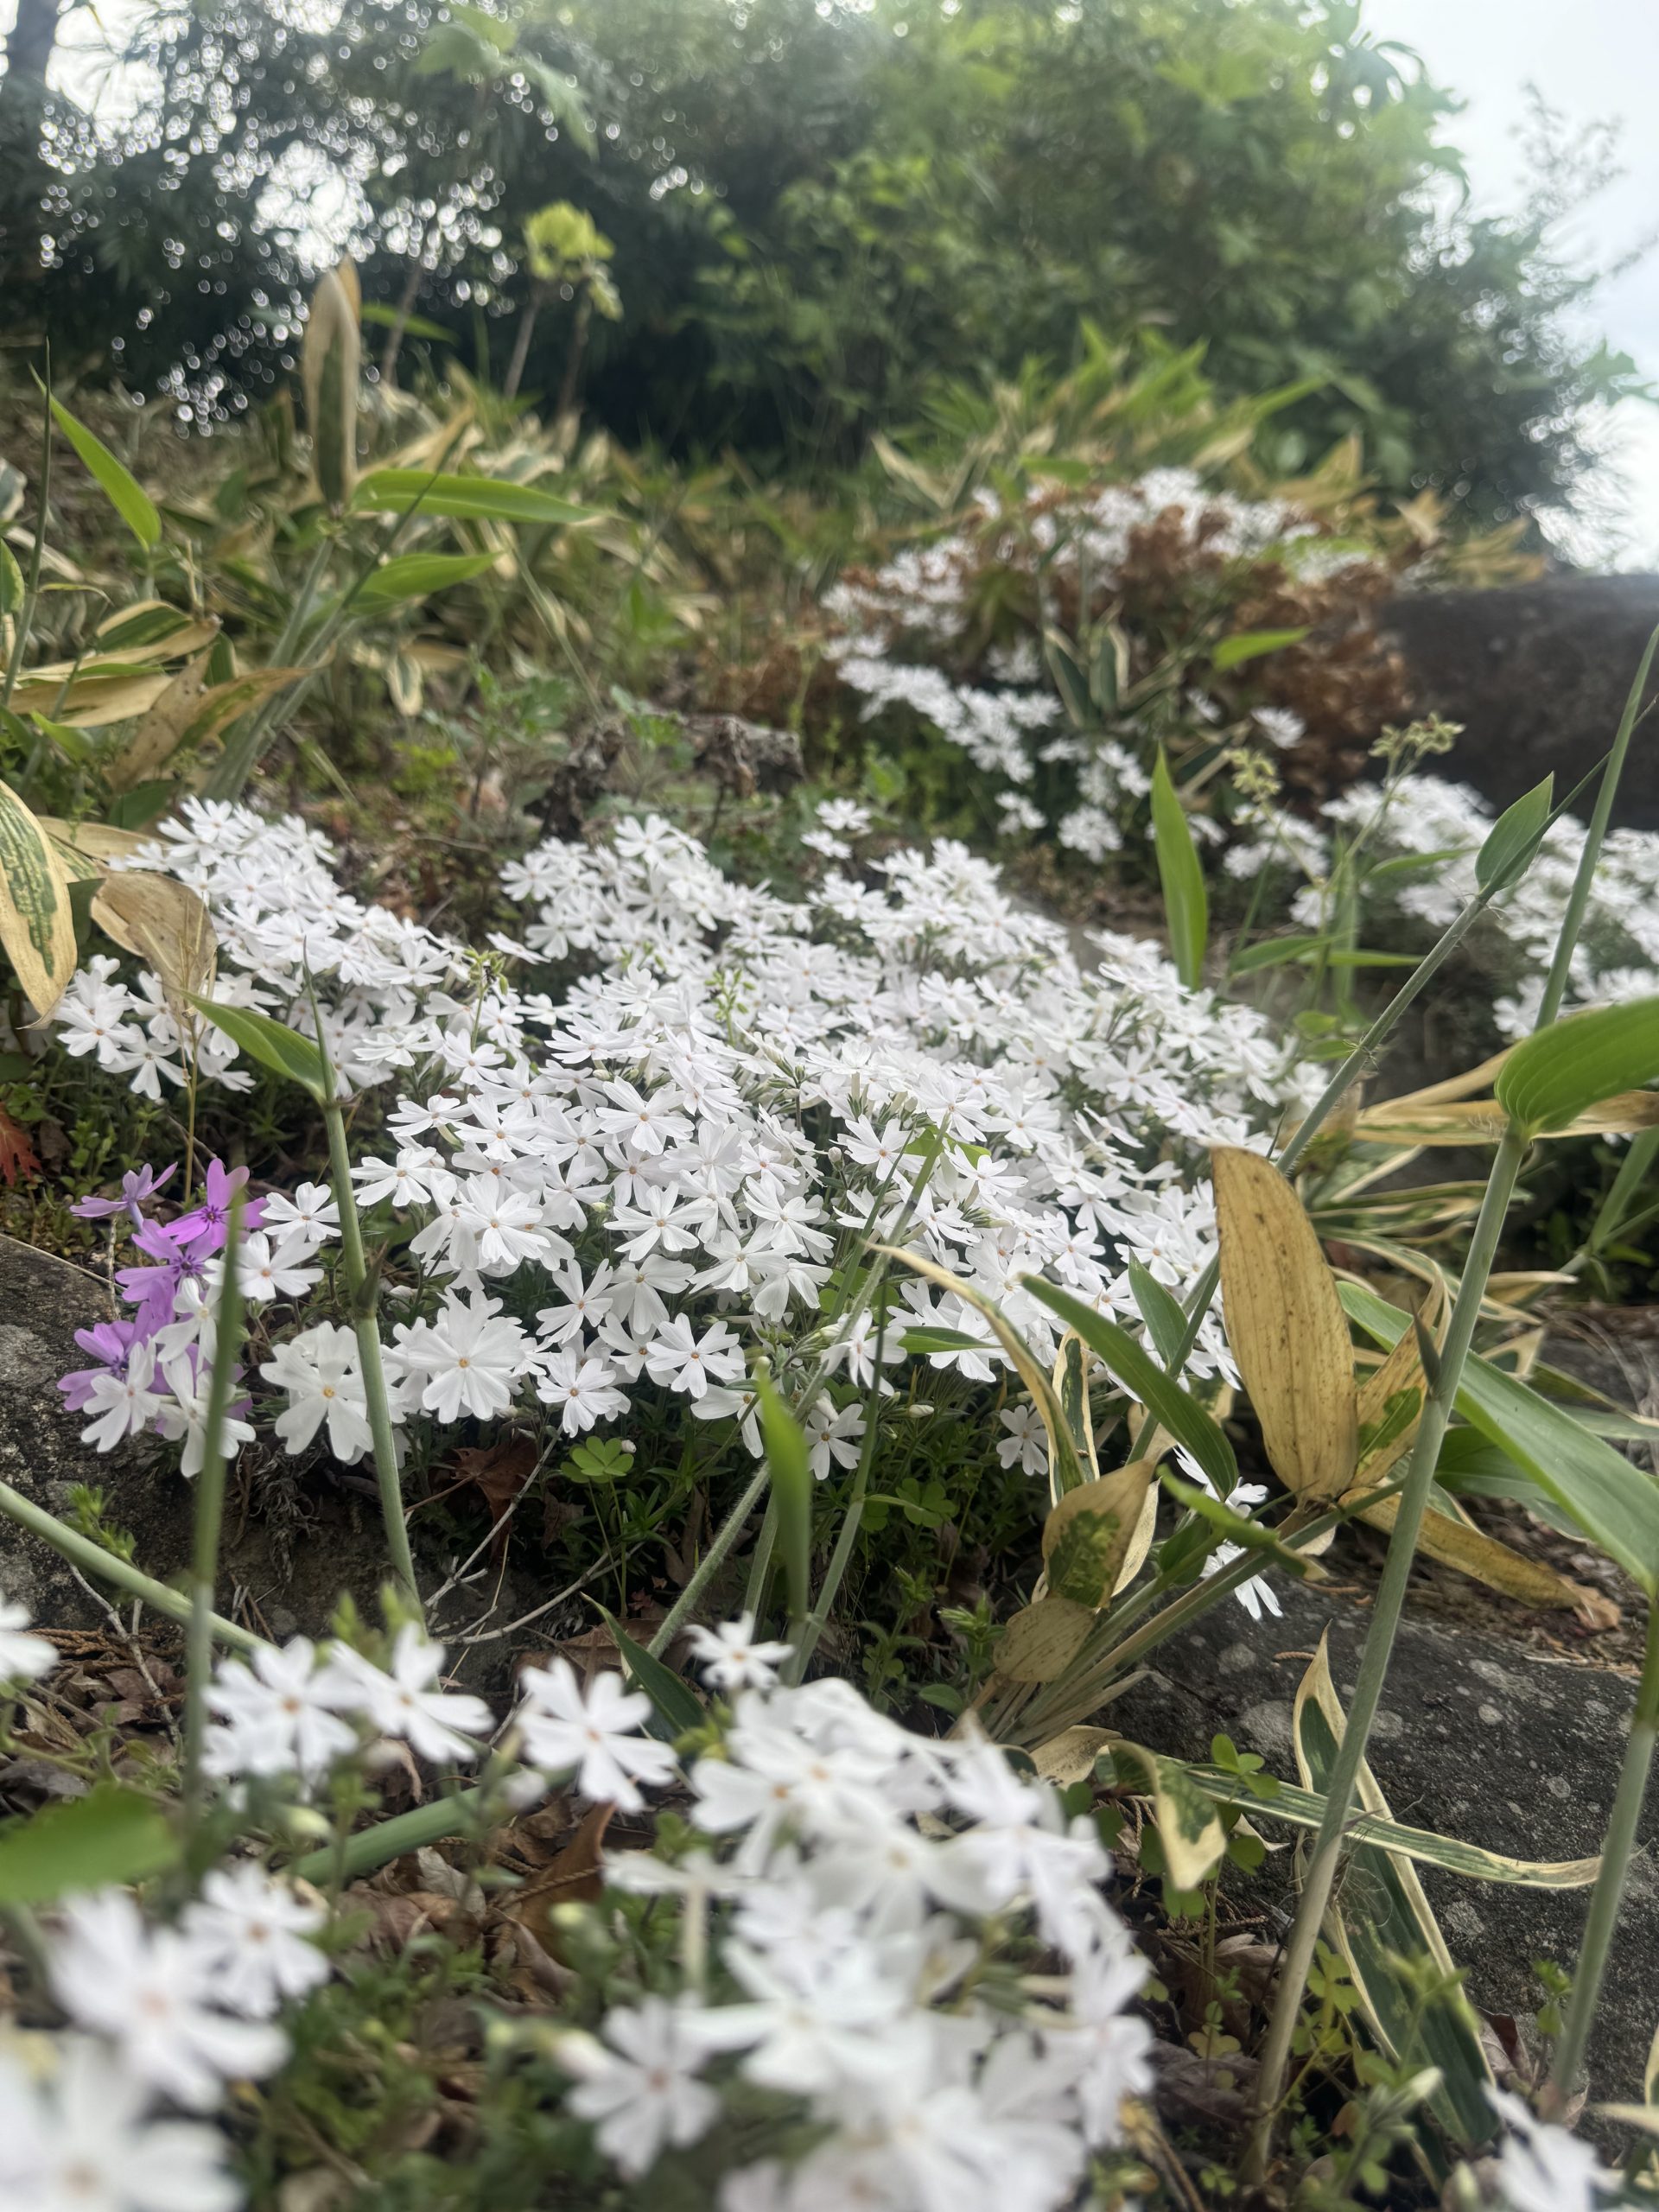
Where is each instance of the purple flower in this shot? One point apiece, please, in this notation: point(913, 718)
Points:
point(154, 1291)
point(213, 1216)
point(138, 1184)
point(109, 1342)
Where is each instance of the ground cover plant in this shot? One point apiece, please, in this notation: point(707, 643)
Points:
point(872, 1314)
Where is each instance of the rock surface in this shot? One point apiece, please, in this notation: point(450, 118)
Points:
point(1537, 674)
point(278, 1577)
point(1476, 1738)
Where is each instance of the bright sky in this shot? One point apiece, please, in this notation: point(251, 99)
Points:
point(1593, 59)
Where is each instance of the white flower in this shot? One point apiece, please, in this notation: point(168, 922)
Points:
point(466, 1361)
point(1026, 1441)
point(22, 1658)
point(150, 1992)
point(732, 1660)
point(642, 2090)
point(319, 1369)
point(78, 2140)
point(592, 1732)
point(252, 1933)
point(123, 1404)
point(1546, 2169)
point(582, 1390)
point(684, 1361)
point(274, 1715)
point(400, 1701)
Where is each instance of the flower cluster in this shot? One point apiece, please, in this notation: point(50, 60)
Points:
point(636, 1186)
point(866, 1888)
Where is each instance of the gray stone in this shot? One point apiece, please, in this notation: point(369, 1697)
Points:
point(1490, 1744)
point(1537, 674)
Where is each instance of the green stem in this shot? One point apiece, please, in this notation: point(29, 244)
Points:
point(1379, 1648)
point(1608, 1896)
point(364, 1321)
point(817, 1620)
point(712, 1559)
point(387, 1839)
point(92, 1558)
point(366, 1324)
point(210, 1519)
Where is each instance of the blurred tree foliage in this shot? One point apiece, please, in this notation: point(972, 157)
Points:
point(819, 209)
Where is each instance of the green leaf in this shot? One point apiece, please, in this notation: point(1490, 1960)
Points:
point(919, 1342)
point(1601, 1493)
point(791, 1491)
point(1514, 837)
point(412, 326)
point(1182, 1415)
point(1164, 1316)
point(12, 587)
point(110, 1836)
point(1250, 644)
point(273, 1043)
point(1273, 952)
point(493, 499)
point(134, 506)
point(1189, 1823)
point(1305, 1809)
point(1235, 1527)
point(1186, 907)
point(676, 1702)
point(1385, 1929)
point(417, 575)
point(1554, 1076)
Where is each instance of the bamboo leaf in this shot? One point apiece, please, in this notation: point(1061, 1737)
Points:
point(1163, 1314)
point(1554, 1076)
point(1042, 1640)
point(1087, 1536)
point(1515, 837)
point(484, 499)
point(130, 501)
point(677, 1703)
point(1612, 1501)
point(417, 575)
point(1383, 1925)
point(37, 928)
point(1186, 905)
point(167, 926)
point(1285, 1324)
point(1188, 1820)
point(1174, 1408)
point(1305, 1809)
point(1252, 645)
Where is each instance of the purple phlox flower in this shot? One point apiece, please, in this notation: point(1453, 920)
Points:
point(154, 1291)
point(137, 1185)
point(109, 1342)
point(213, 1214)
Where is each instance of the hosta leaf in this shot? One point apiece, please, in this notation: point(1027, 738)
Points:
point(1285, 1324)
point(36, 925)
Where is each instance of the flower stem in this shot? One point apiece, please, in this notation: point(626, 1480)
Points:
point(92, 1558)
point(725, 1536)
point(1379, 1648)
point(367, 1327)
point(210, 1518)
point(1608, 1896)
